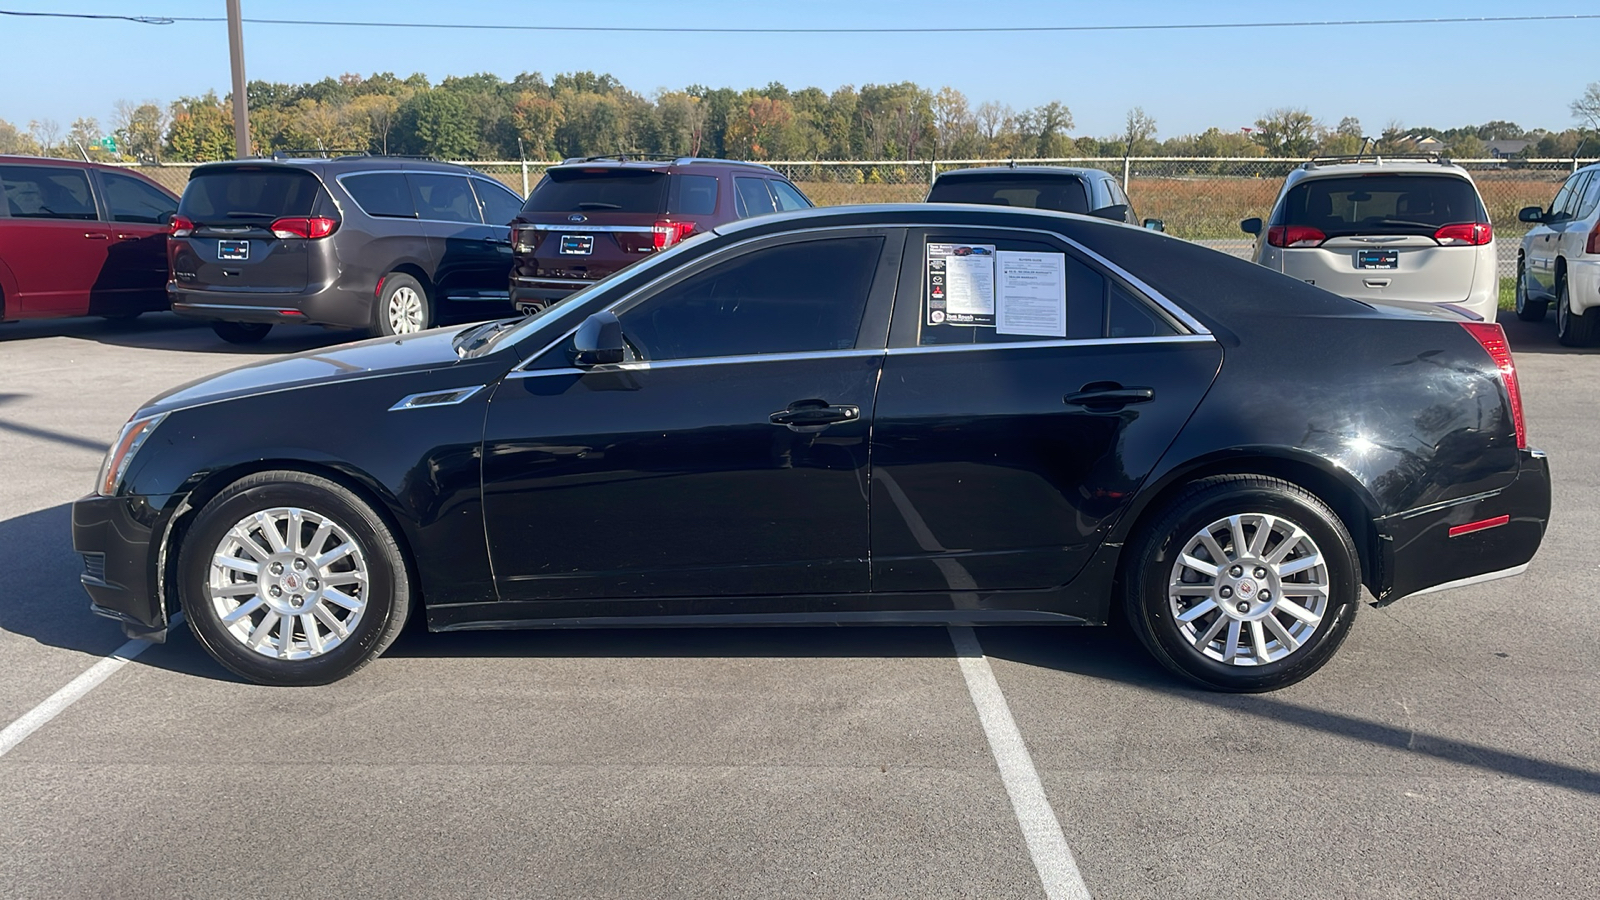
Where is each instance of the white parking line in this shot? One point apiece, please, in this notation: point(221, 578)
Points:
point(1058, 871)
point(36, 718)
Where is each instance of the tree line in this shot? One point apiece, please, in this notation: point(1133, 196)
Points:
point(583, 114)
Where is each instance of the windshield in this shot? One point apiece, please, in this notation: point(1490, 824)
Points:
point(1381, 204)
point(599, 190)
point(247, 193)
point(1049, 192)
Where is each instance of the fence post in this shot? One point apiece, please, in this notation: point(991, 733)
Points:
point(933, 171)
point(524, 178)
point(1127, 172)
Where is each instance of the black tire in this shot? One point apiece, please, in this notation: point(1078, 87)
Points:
point(1528, 310)
point(1154, 561)
point(241, 332)
point(403, 307)
point(383, 589)
point(1571, 330)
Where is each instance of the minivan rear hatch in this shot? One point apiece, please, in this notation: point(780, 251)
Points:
point(232, 246)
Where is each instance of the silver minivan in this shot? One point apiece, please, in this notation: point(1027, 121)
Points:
point(1409, 231)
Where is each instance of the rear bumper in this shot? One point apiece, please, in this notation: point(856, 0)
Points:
point(329, 305)
point(117, 537)
point(1469, 540)
point(526, 289)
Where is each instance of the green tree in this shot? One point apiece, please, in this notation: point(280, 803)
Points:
point(436, 123)
point(15, 141)
point(1286, 132)
point(201, 129)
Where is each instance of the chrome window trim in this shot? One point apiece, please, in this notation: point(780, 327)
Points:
point(539, 279)
point(580, 226)
point(410, 400)
point(1059, 342)
point(1201, 332)
point(645, 365)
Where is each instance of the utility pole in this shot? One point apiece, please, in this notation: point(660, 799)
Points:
point(241, 104)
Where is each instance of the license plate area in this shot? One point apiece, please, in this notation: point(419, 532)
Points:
point(1377, 259)
point(577, 244)
point(233, 249)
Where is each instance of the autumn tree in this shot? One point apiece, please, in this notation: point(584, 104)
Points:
point(201, 129)
point(1286, 132)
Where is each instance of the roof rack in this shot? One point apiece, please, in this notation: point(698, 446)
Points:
point(671, 158)
point(297, 152)
point(1375, 159)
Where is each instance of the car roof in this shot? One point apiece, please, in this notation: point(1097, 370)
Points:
point(1376, 166)
point(58, 161)
point(1013, 171)
point(654, 163)
point(342, 164)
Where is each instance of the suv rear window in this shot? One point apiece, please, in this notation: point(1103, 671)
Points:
point(1063, 194)
point(1383, 204)
point(249, 194)
point(599, 190)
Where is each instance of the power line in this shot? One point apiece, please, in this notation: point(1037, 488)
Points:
point(984, 29)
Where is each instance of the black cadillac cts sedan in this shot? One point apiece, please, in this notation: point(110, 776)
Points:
point(887, 414)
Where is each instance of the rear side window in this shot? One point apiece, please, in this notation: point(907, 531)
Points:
point(1381, 204)
point(443, 198)
point(1591, 196)
point(1580, 184)
point(249, 194)
point(753, 198)
point(697, 195)
point(599, 190)
point(788, 197)
point(498, 204)
point(47, 192)
point(381, 194)
point(1062, 194)
point(130, 200)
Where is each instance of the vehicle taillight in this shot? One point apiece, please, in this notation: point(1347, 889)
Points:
point(1493, 340)
point(1594, 239)
point(1474, 233)
point(523, 240)
point(1295, 236)
point(180, 226)
point(665, 234)
point(302, 227)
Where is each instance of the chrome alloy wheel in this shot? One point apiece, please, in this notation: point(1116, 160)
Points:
point(405, 310)
point(288, 583)
point(1249, 589)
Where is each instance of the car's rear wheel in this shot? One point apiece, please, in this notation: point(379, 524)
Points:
point(1245, 583)
point(403, 307)
point(1574, 330)
point(241, 332)
point(291, 579)
point(1527, 310)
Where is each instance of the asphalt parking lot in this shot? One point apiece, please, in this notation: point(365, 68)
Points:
point(1450, 749)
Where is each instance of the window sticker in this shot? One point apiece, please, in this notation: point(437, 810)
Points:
point(961, 284)
point(1032, 293)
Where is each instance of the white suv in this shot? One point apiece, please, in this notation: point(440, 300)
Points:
point(1410, 231)
point(1560, 260)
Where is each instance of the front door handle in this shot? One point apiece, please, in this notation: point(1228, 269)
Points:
point(813, 415)
point(1107, 396)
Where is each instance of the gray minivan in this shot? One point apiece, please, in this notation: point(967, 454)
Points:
point(374, 242)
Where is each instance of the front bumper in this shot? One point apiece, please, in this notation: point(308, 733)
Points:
point(119, 538)
point(326, 305)
point(1496, 534)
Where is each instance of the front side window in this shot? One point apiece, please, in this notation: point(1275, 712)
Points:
point(753, 197)
point(792, 298)
point(132, 200)
point(444, 198)
point(47, 192)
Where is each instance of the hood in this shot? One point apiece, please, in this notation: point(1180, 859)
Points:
point(373, 358)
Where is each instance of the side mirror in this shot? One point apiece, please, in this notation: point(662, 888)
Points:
point(1116, 212)
point(1155, 225)
point(1251, 226)
point(1530, 214)
point(598, 341)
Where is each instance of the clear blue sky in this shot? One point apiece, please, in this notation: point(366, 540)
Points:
point(1436, 74)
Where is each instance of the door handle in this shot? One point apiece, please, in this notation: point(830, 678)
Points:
point(96, 236)
point(1108, 396)
point(813, 415)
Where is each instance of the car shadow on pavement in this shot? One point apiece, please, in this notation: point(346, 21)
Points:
point(1536, 337)
point(165, 331)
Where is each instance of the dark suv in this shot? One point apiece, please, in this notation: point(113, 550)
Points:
point(374, 242)
point(590, 217)
point(1090, 192)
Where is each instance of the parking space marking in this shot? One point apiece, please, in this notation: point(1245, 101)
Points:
point(56, 703)
point(1047, 844)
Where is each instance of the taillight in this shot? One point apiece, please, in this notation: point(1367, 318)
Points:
point(302, 227)
point(1295, 236)
point(1594, 239)
point(1475, 234)
point(523, 240)
point(1493, 340)
point(665, 234)
point(181, 226)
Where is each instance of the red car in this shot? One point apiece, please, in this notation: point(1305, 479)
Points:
point(81, 239)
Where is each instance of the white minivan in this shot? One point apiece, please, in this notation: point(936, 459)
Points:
point(1408, 231)
point(1559, 261)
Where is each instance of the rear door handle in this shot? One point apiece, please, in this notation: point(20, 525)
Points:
point(1111, 396)
point(96, 236)
point(813, 415)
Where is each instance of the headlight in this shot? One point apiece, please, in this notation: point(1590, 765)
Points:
point(121, 453)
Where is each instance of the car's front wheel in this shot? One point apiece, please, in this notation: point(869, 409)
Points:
point(241, 332)
point(1245, 583)
point(1528, 310)
point(287, 578)
point(403, 307)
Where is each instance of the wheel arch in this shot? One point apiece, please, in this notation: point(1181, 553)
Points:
point(415, 270)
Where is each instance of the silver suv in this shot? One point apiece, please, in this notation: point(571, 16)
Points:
point(1412, 231)
point(1559, 261)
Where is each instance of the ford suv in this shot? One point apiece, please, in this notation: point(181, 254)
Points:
point(1410, 230)
point(1559, 261)
point(388, 244)
point(593, 216)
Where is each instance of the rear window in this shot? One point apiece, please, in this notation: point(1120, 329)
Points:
point(599, 190)
point(248, 194)
point(1383, 204)
point(1057, 193)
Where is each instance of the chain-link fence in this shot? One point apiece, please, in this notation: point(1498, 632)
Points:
point(1199, 198)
